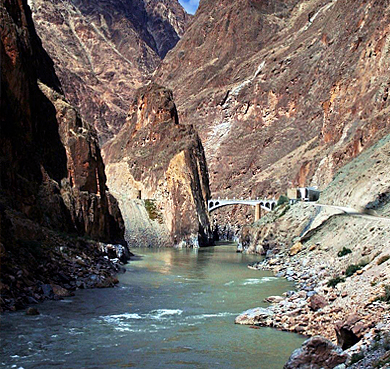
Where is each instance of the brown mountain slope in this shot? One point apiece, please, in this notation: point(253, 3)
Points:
point(104, 50)
point(282, 93)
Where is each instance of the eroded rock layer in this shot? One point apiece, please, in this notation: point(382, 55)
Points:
point(164, 161)
point(282, 92)
point(52, 174)
point(104, 50)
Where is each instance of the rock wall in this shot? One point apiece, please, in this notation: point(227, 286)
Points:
point(105, 50)
point(52, 174)
point(283, 92)
point(164, 160)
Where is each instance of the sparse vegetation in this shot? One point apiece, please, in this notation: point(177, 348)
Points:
point(335, 281)
point(383, 259)
point(153, 212)
point(353, 268)
point(283, 200)
point(356, 357)
point(343, 252)
point(284, 211)
point(386, 296)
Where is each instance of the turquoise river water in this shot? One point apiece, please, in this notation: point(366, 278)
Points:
point(172, 309)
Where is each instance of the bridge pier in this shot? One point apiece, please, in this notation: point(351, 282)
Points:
point(257, 212)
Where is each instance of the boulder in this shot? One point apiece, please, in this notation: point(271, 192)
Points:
point(253, 316)
point(61, 291)
point(349, 331)
point(32, 311)
point(274, 299)
point(47, 291)
point(317, 302)
point(316, 353)
point(296, 248)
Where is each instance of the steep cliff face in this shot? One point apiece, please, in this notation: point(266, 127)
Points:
point(164, 160)
point(104, 50)
point(282, 93)
point(52, 174)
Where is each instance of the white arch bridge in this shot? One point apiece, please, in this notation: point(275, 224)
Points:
point(267, 205)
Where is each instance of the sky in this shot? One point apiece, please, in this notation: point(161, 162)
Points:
point(190, 5)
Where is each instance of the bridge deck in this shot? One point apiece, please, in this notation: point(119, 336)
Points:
point(265, 204)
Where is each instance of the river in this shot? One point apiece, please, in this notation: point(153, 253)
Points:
point(172, 309)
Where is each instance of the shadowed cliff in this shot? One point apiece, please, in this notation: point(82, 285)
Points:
point(52, 175)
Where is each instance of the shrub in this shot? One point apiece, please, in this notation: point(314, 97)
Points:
point(353, 268)
point(335, 281)
point(153, 212)
point(383, 259)
point(356, 357)
point(386, 296)
point(343, 252)
point(283, 200)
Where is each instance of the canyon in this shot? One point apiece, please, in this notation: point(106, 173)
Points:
point(284, 93)
point(245, 99)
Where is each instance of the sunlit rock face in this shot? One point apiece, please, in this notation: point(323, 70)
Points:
point(282, 93)
point(160, 158)
point(105, 50)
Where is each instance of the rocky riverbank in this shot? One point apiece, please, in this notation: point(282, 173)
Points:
point(339, 262)
point(341, 272)
point(55, 266)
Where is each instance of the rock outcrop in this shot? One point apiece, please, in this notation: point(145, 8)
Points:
point(316, 353)
point(163, 160)
point(279, 91)
point(105, 50)
point(53, 185)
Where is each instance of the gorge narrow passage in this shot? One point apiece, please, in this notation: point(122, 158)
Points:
point(172, 309)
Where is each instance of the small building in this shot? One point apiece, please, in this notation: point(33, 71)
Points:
point(303, 194)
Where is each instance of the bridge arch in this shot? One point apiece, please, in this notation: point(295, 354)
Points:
point(267, 205)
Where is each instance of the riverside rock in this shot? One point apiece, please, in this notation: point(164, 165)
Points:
point(253, 316)
point(156, 158)
point(32, 311)
point(316, 353)
point(317, 302)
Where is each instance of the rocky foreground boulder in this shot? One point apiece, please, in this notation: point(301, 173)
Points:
point(317, 353)
point(161, 161)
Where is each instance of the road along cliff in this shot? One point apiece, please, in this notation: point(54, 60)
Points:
point(156, 158)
